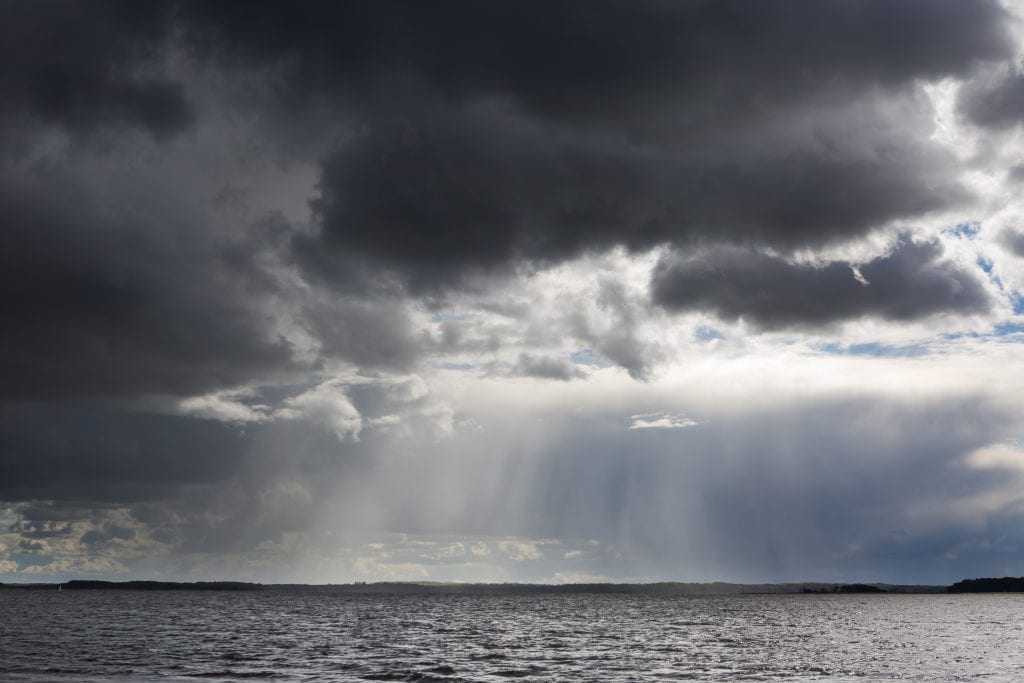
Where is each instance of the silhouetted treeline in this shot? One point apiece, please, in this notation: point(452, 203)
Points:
point(1007, 584)
point(849, 588)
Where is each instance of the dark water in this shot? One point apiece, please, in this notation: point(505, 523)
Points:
point(320, 636)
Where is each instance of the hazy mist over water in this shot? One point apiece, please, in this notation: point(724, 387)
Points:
point(323, 636)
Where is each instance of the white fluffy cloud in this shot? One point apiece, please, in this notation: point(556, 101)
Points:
point(325, 404)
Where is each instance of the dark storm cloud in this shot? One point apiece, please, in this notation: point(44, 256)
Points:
point(484, 135)
point(475, 190)
point(634, 66)
point(495, 134)
point(995, 101)
point(910, 283)
point(605, 60)
point(119, 295)
point(53, 452)
point(611, 123)
point(89, 65)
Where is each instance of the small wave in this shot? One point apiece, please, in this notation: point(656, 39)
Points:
point(443, 669)
point(228, 673)
point(490, 656)
point(412, 676)
point(519, 673)
point(238, 657)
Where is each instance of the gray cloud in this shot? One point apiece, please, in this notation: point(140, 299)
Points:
point(993, 101)
point(546, 367)
point(475, 190)
point(610, 62)
point(910, 283)
point(463, 161)
point(90, 66)
point(1015, 173)
point(371, 331)
point(620, 342)
point(120, 293)
point(104, 454)
point(480, 141)
point(1014, 241)
point(109, 532)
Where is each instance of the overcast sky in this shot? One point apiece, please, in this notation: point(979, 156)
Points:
point(512, 291)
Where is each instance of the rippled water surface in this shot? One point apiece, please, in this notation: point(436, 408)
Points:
point(323, 636)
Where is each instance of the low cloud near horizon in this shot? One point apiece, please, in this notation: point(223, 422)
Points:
point(512, 291)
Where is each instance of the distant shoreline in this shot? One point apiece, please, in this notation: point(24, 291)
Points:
point(982, 585)
point(427, 588)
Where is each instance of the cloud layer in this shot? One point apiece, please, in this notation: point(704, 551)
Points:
point(339, 291)
point(913, 281)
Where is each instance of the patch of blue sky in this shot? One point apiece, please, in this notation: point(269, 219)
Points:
point(967, 230)
point(1007, 328)
point(886, 350)
point(873, 349)
point(589, 358)
point(1017, 300)
point(706, 333)
point(1002, 329)
point(834, 348)
point(1015, 296)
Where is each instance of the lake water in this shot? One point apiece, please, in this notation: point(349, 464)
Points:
point(324, 636)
